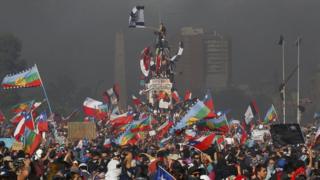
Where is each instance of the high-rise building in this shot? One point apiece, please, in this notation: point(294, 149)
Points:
point(206, 62)
point(120, 69)
point(217, 50)
point(190, 69)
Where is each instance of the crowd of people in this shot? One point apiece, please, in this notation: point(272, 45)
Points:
point(93, 159)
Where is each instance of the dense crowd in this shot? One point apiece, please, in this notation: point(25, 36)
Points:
point(93, 159)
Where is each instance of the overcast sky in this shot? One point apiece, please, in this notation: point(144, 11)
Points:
point(76, 37)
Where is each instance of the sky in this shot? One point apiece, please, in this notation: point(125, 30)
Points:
point(76, 37)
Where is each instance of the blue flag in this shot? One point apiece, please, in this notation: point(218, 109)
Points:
point(163, 175)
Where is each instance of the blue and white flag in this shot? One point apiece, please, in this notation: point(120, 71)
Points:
point(136, 17)
point(163, 175)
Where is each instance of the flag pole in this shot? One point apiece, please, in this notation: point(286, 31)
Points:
point(284, 85)
point(298, 79)
point(44, 90)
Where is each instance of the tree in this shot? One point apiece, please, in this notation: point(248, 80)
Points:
point(10, 62)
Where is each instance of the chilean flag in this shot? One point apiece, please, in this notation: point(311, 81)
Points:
point(28, 121)
point(122, 119)
point(202, 143)
point(107, 143)
point(208, 101)
point(91, 107)
point(19, 131)
point(42, 122)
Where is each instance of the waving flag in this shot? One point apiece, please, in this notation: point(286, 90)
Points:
point(220, 123)
point(162, 174)
point(163, 129)
point(120, 120)
point(175, 96)
point(25, 106)
point(124, 138)
point(248, 115)
point(42, 122)
point(136, 17)
point(178, 55)
point(136, 101)
point(32, 141)
point(94, 108)
point(28, 120)
point(208, 101)
point(203, 143)
point(197, 112)
point(17, 118)
point(25, 79)
point(271, 115)
point(19, 131)
point(141, 125)
point(188, 95)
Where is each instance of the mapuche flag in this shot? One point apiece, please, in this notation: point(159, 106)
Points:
point(24, 79)
point(32, 141)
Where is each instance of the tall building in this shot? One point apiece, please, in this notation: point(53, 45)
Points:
point(217, 50)
point(120, 69)
point(206, 62)
point(190, 69)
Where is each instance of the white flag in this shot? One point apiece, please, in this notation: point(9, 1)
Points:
point(248, 115)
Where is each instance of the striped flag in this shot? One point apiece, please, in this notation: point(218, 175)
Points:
point(197, 112)
point(19, 131)
point(163, 129)
point(202, 143)
point(220, 123)
point(94, 109)
point(42, 123)
point(32, 141)
point(120, 120)
point(24, 79)
point(24, 106)
point(271, 115)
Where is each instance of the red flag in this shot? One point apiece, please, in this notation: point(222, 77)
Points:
point(94, 109)
point(136, 101)
point(163, 129)
point(203, 143)
point(188, 95)
point(208, 101)
point(120, 120)
point(175, 96)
